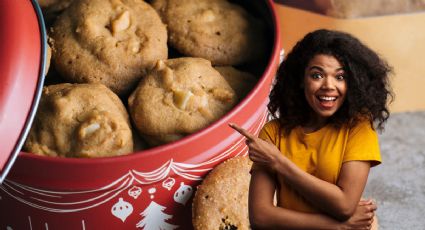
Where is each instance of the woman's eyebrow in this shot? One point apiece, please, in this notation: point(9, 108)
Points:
point(321, 69)
point(316, 67)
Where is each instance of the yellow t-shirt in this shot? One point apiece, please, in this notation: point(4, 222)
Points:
point(321, 153)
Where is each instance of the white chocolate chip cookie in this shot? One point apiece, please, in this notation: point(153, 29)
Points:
point(113, 42)
point(179, 97)
point(80, 120)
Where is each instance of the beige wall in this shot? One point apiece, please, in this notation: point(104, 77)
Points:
point(400, 39)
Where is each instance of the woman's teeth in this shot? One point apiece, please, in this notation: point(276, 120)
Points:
point(323, 98)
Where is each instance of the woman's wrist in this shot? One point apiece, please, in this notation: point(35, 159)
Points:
point(280, 165)
point(287, 169)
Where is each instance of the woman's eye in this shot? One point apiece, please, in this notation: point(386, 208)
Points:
point(316, 75)
point(340, 77)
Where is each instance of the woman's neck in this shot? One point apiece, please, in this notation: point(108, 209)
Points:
point(314, 124)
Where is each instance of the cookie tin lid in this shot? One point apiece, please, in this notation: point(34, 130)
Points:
point(22, 60)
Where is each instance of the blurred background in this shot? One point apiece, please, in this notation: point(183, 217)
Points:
point(393, 28)
point(396, 30)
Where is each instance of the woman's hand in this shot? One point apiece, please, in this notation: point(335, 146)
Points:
point(362, 217)
point(260, 151)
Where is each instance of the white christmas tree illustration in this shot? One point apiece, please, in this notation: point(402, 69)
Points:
point(154, 218)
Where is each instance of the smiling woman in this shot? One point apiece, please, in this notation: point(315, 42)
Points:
point(330, 95)
point(365, 74)
point(325, 86)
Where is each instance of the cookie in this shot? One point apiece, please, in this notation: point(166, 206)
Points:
point(356, 9)
point(221, 201)
point(110, 42)
point(241, 82)
point(179, 97)
point(80, 120)
point(57, 5)
point(53, 8)
point(222, 32)
point(48, 58)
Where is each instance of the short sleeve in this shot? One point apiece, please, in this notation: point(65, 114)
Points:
point(270, 131)
point(362, 144)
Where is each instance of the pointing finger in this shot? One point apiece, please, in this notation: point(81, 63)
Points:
point(242, 131)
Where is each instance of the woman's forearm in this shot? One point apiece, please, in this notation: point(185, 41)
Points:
point(339, 200)
point(279, 218)
point(264, 215)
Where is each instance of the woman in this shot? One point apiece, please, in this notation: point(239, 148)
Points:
point(330, 95)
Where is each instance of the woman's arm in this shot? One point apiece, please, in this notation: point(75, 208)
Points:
point(264, 215)
point(339, 201)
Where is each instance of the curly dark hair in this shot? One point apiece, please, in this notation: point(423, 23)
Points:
point(367, 74)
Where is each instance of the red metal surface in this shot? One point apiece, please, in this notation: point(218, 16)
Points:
point(20, 51)
point(120, 192)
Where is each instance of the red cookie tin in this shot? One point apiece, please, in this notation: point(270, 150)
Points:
point(149, 189)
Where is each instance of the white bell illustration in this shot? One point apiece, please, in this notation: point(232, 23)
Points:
point(168, 183)
point(135, 192)
point(122, 209)
point(183, 194)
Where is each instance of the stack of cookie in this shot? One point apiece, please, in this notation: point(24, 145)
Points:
point(125, 45)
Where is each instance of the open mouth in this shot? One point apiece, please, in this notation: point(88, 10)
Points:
point(326, 98)
point(327, 102)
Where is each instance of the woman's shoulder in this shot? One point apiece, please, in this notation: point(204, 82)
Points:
point(270, 130)
point(272, 125)
point(362, 126)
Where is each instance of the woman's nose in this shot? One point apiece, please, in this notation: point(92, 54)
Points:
point(328, 83)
